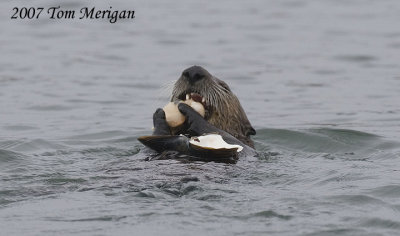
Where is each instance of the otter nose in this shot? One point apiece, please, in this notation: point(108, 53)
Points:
point(194, 74)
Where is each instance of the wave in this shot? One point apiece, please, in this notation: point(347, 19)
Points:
point(323, 140)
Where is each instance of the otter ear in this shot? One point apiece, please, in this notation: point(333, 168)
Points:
point(223, 84)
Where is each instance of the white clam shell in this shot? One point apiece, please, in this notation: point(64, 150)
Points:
point(213, 141)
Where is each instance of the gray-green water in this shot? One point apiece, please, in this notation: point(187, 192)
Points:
point(319, 81)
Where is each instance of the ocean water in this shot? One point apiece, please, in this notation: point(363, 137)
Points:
point(319, 81)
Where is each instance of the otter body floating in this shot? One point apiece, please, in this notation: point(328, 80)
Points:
point(209, 147)
point(200, 105)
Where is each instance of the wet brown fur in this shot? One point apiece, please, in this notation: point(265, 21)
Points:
point(223, 107)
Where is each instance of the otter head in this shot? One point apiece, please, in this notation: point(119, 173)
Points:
point(222, 107)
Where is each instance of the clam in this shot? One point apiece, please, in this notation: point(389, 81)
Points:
point(175, 118)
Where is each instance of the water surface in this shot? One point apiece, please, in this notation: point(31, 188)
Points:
point(319, 81)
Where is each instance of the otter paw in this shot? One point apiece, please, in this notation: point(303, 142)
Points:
point(197, 124)
point(190, 113)
point(160, 124)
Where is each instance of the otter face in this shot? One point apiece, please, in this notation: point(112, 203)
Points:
point(223, 109)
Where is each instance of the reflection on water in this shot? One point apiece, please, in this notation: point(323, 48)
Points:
point(318, 80)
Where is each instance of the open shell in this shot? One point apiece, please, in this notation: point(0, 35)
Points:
point(213, 141)
point(210, 147)
point(162, 143)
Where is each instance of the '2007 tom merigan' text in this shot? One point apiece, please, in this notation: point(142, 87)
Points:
point(61, 14)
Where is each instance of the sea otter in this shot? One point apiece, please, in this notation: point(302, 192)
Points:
point(223, 114)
